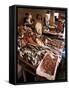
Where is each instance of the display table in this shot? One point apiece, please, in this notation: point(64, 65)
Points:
point(28, 68)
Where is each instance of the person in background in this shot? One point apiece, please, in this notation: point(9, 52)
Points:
point(38, 24)
point(25, 18)
point(46, 21)
point(28, 21)
point(60, 25)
